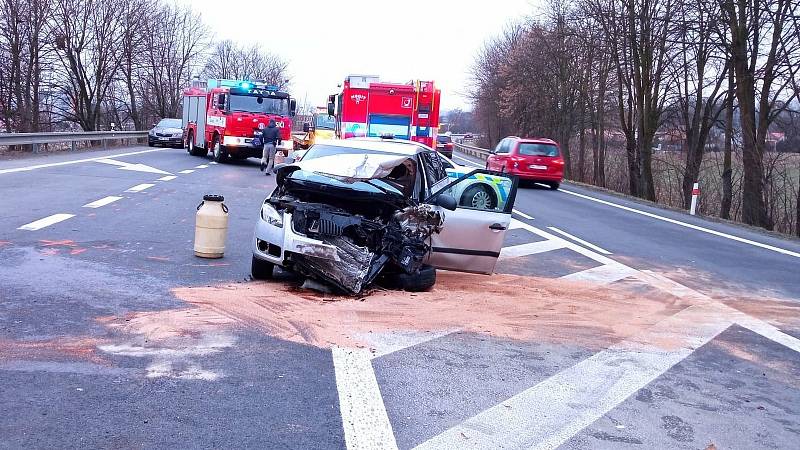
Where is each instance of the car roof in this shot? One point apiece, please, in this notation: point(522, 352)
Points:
point(396, 146)
point(535, 140)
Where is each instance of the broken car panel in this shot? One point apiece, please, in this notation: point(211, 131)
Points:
point(353, 210)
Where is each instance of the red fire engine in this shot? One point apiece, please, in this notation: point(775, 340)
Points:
point(369, 107)
point(225, 116)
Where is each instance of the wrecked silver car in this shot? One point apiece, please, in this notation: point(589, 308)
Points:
point(359, 211)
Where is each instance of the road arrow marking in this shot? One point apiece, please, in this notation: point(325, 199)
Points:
point(137, 167)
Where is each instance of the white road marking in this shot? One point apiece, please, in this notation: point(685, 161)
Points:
point(46, 222)
point(580, 241)
point(140, 187)
point(102, 202)
point(167, 178)
point(77, 161)
point(522, 214)
point(385, 343)
point(687, 225)
point(213, 162)
point(549, 413)
point(366, 424)
point(122, 165)
point(605, 274)
point(202, 166)
point(186, 171)
point(532, 248)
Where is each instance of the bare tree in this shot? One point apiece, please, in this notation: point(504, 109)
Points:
point(229, 61)
point(763, 58)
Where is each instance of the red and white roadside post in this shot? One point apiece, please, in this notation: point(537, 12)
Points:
point(695, 194)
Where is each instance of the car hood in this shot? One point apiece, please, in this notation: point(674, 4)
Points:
point(167, 130)
point(354, 167)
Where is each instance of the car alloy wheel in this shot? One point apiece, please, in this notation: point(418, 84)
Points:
point(481, 200)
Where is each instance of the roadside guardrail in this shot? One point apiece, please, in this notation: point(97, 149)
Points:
point(34, 139)
point(471, 150)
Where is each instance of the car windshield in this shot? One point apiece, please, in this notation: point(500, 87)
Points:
point(170, 123)
point(324, 121)
point(257, 104)
point(320, 150)
point(532, 149)
point(443, 139)
point(371, 186)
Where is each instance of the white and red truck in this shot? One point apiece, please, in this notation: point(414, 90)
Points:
point(226, 117)
point(368, 106)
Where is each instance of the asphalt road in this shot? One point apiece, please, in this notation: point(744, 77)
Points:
point(74, 374)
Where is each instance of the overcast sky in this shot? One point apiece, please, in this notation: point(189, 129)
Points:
point(399, 40)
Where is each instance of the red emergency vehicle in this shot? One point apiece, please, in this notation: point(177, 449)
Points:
point(227, 116)
point(368, 107)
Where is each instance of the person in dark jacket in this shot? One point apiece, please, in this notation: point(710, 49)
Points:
point(271, 137)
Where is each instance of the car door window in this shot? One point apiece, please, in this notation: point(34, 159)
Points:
point(499, 148)
point(433, 167)
point(481, 190)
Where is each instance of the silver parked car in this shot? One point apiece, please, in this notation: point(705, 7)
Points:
point(168, 132)
point(359, 211)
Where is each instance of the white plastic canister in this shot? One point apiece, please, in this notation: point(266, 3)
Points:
point(211, 227)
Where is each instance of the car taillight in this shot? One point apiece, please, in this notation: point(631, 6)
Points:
point(558, 162)
point(448, 145)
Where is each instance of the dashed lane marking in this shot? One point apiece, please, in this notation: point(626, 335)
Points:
point(364, 419)
point(140, 187)
point(687, 225)
point(201, 166)
point(77, 161)
point(186, 171)
point(46, 222)
point(522, 214)
point(532, 248)
point(580, 241)
point(102, 202)
point(167, 178)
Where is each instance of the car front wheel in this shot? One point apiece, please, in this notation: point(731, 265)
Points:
point(260, 269)
point(219, 151)
point(417, 282)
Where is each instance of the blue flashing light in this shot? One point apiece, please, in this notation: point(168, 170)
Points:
point(245, 85)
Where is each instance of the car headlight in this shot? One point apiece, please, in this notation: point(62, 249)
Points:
point(152, 133)
point(271, 215)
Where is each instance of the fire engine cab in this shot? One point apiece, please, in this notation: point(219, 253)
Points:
point(368, 107)
point(227, 116)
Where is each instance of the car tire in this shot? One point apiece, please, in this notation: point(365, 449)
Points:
point(150, 144)
point(554, 186)
point(218, 151)
point(260, 269)
point(418, 282)
point(479, 196)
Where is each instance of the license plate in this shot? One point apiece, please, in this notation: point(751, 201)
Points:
point(163, 139)
point(537, 167)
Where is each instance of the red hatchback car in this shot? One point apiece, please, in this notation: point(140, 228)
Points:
point(535, 159)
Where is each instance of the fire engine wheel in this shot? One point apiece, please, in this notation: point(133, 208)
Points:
point(193, 149)
point(220, 155)
point(479, 196)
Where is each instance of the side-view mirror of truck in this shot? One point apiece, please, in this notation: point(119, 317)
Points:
point(293, 106)
point(331, 108)
point(306, 127)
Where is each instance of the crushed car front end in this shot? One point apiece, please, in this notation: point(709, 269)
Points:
point(347, 226)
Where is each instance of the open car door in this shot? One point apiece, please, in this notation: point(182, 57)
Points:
point(473, 233)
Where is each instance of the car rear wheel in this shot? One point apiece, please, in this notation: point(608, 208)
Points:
point(554, 186)
point(480, 197)
point(260, 269)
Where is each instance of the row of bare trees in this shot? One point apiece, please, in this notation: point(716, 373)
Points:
point(629, 76)
point(90, 63)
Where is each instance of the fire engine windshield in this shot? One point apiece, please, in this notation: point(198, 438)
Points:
point(256, 104)
point(325, 122)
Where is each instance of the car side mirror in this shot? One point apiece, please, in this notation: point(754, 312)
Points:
point(306, 127)
point(446, 201)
